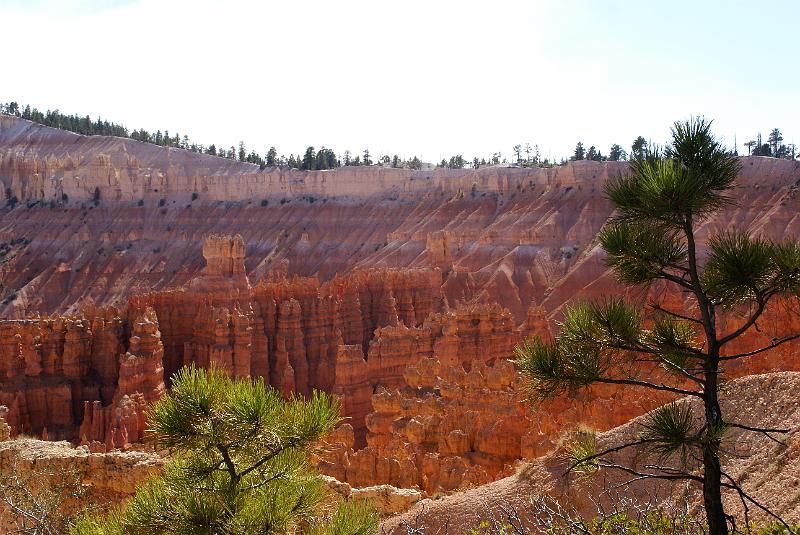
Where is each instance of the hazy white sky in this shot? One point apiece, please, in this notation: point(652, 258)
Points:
point(426, 77)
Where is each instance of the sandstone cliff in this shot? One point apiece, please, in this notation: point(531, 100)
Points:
point(512, 236)
point(358, 281)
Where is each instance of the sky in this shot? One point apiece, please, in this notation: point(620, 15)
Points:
point(432, 78)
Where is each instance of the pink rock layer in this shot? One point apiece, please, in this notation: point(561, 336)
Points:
point(401, 291)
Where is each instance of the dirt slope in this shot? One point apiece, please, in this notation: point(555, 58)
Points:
point(766, 469)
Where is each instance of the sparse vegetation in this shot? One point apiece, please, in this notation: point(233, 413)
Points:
point(622, 517)
point(33, 499)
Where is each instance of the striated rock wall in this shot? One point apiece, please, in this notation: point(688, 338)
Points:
point(512, 236)
point(41, 163)
point(352, 281)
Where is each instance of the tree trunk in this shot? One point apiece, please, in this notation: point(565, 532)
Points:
point(712, 470)
point(712, 494)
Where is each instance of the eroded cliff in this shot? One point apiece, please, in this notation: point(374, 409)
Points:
point(402, 291)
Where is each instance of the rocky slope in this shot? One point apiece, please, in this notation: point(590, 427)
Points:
point(767, 469)
point(514, 236)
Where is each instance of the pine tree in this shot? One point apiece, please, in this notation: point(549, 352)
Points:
point(240, 465)
point(271, 157)
point(456, 162)
point(652, 239)
point(616, 153)
point(580, 152)
point(775, 139)
point(309, 160)
point(638, 148)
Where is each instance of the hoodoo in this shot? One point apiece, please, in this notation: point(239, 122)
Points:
point(401, 292)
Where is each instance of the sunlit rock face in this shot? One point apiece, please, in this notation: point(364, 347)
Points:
point(402, 292)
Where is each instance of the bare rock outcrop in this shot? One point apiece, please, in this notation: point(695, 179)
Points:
point(105, 478)
point(388, 500)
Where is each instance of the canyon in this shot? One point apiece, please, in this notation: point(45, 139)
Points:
point(402, 292)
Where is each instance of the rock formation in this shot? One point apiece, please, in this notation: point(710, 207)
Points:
point(104, 478)
point(93, 383)
point(403, 292)
point(512, 236)
point(50, 367)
